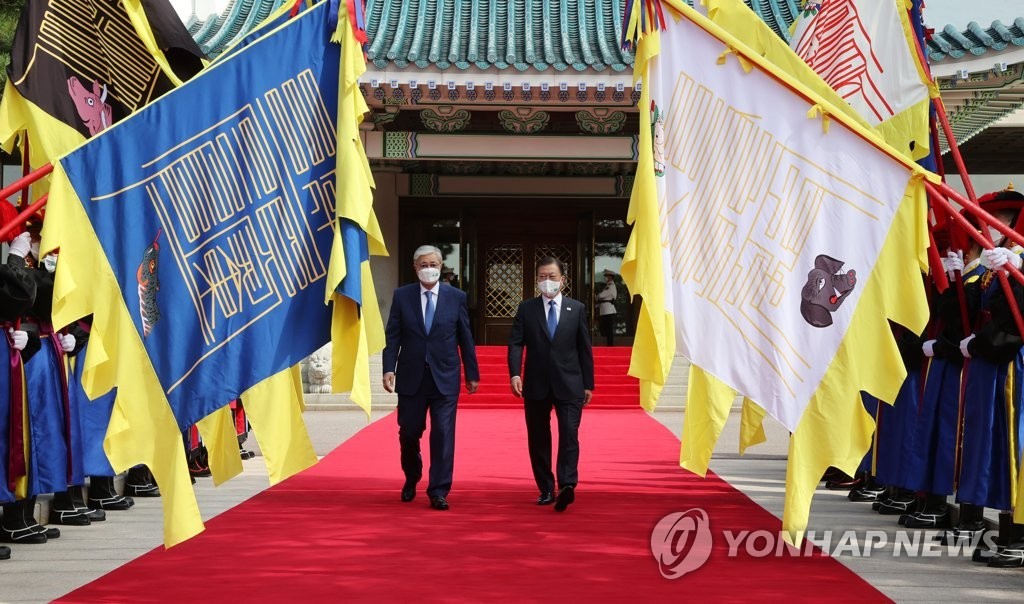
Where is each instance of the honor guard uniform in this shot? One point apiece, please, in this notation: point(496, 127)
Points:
point(17, 292)
point(992, 394)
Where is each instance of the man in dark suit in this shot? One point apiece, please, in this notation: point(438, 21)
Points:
point(427, 328)
point(559, 374)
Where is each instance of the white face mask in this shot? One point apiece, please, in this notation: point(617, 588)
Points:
point(50, 262)
point(429, 275)
point(34, 248)
point(549, 288)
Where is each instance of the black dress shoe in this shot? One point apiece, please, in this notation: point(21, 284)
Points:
point(868, 492)
point(75, 517)
point(928, 519)
point(897, 506)
point(117, 504)
point(5, 552)
point(845, 483)
point(142, 490)
point(409, 492)
point(546, 498)
point(1011, 556)
point(49, 532)
point(439, 503)
point(566, 496)
point(94, 515)
point(22, 535)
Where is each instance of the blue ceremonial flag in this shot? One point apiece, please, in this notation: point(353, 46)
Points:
point(204, 234)
point(214, 207)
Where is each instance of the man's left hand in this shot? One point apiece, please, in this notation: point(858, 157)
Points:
point(587, 395)
point(472, 385)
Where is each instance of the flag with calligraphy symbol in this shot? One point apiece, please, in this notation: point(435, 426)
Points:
point(199, 233)
point(865, 50)
point(79, 66)
point(773, 239)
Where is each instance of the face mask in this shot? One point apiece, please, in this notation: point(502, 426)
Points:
point(50, 262)
point(34, 247)
point(549, 288)
point(429, 275)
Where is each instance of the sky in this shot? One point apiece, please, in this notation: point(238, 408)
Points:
point(203, 7)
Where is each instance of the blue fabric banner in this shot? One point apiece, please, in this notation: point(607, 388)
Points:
point(215, 206)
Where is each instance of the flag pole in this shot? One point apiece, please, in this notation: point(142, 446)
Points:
point(23, 216)
point(985, 242)
point(24, 181)
point(944, 191)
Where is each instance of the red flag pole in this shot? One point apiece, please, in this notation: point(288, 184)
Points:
point(945, 190)
point(985, 242)
point(24, 181)
point(23, 216)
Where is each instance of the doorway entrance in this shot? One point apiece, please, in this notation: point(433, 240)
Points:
point(491, 248)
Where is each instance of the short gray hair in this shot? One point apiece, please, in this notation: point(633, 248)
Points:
point(425, 250)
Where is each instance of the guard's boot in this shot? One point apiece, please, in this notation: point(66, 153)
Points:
point(103, 495)
point(140, 483)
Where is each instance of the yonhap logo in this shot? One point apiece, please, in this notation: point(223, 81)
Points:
point(681, 542)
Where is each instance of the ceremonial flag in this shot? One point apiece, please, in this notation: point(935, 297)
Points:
point(357, 327)
point(78, 66)
point(785, 235)
point(205, 230)
point(866, 50)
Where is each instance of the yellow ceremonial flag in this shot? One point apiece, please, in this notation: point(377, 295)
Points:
point(784, 245)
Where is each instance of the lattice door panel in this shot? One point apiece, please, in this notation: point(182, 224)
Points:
point(563, 253)
point(503, 285)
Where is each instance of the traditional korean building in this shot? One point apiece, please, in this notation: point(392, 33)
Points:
point(503, 131)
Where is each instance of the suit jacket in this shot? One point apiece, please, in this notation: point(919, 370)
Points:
point(562, 366)
point(409, 349)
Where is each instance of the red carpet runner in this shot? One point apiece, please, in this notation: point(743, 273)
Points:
point(338, 532)
point(613, 389)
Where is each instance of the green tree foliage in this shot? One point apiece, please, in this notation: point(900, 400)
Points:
point(10, 10)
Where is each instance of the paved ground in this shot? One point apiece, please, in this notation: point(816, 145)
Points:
point(43, 572)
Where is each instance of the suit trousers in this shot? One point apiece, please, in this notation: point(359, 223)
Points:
point(412, 421)
point(538, 435)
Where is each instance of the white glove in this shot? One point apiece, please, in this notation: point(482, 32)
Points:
point(998, 258)
point(928, 348)
point(67, 342)
point(963, 346)
point(21, 245)
point(954, 261)
point(20, 338)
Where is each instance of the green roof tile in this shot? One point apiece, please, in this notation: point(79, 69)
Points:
point(503, 34)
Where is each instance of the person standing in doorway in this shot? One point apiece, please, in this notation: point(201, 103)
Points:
point(606, 307)
point(559, 374)
point(427, 330)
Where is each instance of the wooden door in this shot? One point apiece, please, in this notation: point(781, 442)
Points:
point(510, 247)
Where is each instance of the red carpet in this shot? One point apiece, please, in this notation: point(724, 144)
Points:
point(338, 532)
point(613, 389)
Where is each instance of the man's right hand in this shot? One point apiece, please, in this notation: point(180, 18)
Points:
point(517, 387)
point(21, 245)
point(389, 381)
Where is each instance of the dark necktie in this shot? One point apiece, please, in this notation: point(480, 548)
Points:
point(428, 316)
point(552, 319)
